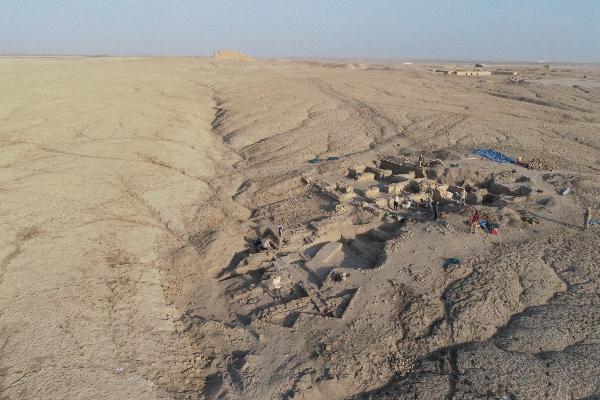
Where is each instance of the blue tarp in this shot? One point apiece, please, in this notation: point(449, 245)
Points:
point(494, 155)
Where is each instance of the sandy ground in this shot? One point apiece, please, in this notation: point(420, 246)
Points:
point(131, 190)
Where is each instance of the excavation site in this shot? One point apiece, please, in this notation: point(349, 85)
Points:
point(236, 228)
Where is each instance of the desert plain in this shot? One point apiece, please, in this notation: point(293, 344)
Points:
point(132, 191)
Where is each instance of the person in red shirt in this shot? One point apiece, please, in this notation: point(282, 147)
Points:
point(475, 218)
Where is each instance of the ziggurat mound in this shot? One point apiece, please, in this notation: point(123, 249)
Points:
point(231, 55)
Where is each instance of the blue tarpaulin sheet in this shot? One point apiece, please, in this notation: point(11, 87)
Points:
point(494, 155)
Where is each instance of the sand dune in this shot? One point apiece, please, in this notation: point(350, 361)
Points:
point(132, 189)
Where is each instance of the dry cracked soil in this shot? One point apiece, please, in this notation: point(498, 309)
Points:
point(132, 190)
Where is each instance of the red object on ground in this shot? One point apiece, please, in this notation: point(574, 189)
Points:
point(494, 231)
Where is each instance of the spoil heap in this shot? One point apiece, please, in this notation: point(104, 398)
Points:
point(541, 165)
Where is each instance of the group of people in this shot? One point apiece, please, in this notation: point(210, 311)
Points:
point(398, 203)
point(266, 244)
point(475, 219)
point(428, 204)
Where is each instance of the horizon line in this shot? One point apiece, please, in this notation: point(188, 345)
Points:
point(292, 58)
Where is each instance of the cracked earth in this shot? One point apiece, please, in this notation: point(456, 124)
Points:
point(132, 190)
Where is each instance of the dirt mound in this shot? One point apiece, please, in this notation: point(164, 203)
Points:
point(231, 55)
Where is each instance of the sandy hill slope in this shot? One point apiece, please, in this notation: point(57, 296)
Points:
point(132, 191)
point(103, 165)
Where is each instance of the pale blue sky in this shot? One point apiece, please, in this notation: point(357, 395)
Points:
point(551, 30)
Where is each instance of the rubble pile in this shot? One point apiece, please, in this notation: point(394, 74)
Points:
point(540, 164)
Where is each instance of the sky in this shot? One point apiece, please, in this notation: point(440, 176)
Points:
point(487, 30)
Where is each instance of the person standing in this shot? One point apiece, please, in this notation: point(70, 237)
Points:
point(280, 233)
point(421, 160)
point(396, 202)
point(436, 210)
point(475, 219)
point(500, 201)
point(586, 218)
point(277, 287)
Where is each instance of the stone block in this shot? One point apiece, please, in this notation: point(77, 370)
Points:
point(396, 167)
point(383, 203)
point(417, 197)
point(345, 196)
point(343, 188)
point(396, 188)
point(356, 171)
point(402, 177)
point(371, 191)
point(455, 189)
point(365, 177)
point(441, 195)
point(397, 178)
point(379, 173)
point(325, 255)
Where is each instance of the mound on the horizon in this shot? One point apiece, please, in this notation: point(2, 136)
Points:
point(231, 55)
